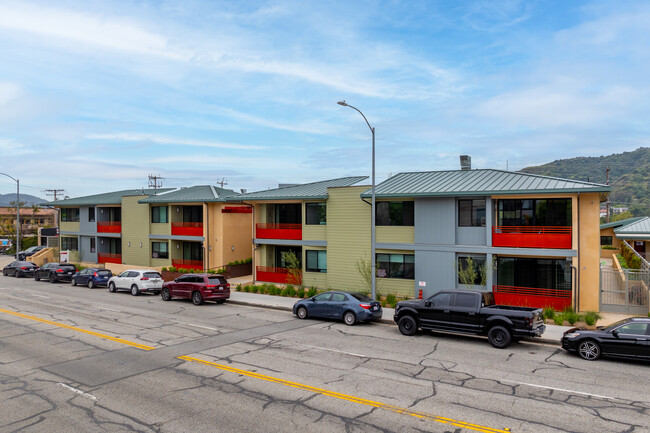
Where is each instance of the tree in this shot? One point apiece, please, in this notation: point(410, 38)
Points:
point(364, 267)
point(621, 216)
point(295, 268)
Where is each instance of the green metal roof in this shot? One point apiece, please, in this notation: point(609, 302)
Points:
point(641, 227)
point(198, 193)
point(307, 191)
point(477, 182)
point(108, 198)
point(620, 223)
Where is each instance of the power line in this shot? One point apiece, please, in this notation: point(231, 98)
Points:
point(54, 193)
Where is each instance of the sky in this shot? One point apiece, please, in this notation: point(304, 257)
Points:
point(95, 96)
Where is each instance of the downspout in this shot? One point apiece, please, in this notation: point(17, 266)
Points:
point(253, 267)
point(577, 307)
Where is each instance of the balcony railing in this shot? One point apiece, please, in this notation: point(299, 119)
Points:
point(278, 231)
point(188, 264)
point(532, 297)
point(109, 226)
point(187, 229)
point(532, 237)
point(277, 275)
point(109, 258)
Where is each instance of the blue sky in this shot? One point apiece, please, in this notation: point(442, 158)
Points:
point(97, 95)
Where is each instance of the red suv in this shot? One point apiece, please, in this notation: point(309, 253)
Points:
point(198, 288)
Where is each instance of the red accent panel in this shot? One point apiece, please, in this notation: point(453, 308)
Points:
point(278, 231)
point(532, 297)
point(188, 264)
point(109, 258)
point(237, 209)
point(187, 229)
point(276, 275)
point(109, 226)
point(531, 237)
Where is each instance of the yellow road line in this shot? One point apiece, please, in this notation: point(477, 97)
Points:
point(61, 325)
point(349, 398)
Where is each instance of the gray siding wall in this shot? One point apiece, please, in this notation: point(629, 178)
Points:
point(84, 249)
point(435, 219)
point(436, 269)
point(471, 236)
point(85, 226)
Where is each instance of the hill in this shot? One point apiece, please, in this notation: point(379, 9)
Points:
point(5, 199)
point(629, 176)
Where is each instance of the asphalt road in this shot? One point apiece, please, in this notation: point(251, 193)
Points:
point(74, 359)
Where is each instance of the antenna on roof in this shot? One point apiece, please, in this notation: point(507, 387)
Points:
point(222, 182)
point(153, 181)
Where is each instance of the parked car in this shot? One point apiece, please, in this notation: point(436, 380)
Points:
point(627, 338)
point(92, 277)
point(137, 281)
point(198, 288)
point(470, 312)
point(19, 269)
point(349, 307)
point(22, 255)
point(55, 272)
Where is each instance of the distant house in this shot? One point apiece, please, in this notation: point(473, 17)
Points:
point(30, 220)
point(636, 231)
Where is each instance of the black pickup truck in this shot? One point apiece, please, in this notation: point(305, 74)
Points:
point(470, 312)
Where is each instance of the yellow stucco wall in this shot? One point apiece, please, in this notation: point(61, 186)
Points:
point(229, 235)
point(589, 251)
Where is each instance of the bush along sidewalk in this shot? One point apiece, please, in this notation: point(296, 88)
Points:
point(291, 291)
point(570, 317)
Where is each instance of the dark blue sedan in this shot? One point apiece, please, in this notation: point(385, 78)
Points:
point(91, 277)
point(349, 307)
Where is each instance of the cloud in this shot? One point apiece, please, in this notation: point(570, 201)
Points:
point(161, 139)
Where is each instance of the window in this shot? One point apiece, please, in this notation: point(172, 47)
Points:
point(159, 250)
point(70, 214)
point(159, 214)
point(323, 297)
point(441, 300)
point(339, 297)
point(471, 213)
point(316, 261)
point(396, 266)
point(91, 214)
point(93, 247)
point(473, 276)
point(316, 213)
point(606, 240)
point(465, 300)
point(192, 251)
point(539, 212)
point(538, 273)
point(192, 214)
point(394, 213)
point(69, 243)
point(633, 329)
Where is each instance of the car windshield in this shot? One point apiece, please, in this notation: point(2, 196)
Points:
point(103, 272)
point(152, 275)
point(361, 297)
point(217, 280)
point(68, 267)
point(615, 325)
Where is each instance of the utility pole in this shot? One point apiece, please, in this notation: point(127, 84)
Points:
point(54, 193)
point(607, 203)
point(222, 182)
point(153, 181)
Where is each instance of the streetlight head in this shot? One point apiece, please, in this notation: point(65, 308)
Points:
point(343, 103)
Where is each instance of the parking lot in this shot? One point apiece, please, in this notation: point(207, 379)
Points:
point(80, 359)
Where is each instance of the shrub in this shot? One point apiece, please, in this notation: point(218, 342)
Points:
point(255, 289)
point(247, 288)
point(289, 291)
point(572, 317)
point(262, 288)
point(391, 300)
point(248, 260)
point(312, 292)
point(238, 288)
point(548, 313)
point(173, 269)
point(272, 289)
point(301, 293)
point(558, 319)
point(164, 269)
point(591, 317)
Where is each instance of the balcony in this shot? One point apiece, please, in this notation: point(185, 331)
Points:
point(187, 229)
point(109, 226)
point(532, 297)
point(109, 258)
point(196, 265)
point(278, 231)
point(277, 275)
point(531, 237)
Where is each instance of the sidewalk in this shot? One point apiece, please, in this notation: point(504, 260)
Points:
point(552, 335)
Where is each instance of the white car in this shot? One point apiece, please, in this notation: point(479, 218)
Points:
point(137, 281)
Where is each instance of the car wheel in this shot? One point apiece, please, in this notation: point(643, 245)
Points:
point(37, 277)
point(350, 318)
point(73, 282)
point(111, 287)
point(589, 350)
point(4, 272)
point(52, 278)
point(301, 312)
point(197, 298)
point(134, 290)
point(220, 301)
point(165, 295)
point(499, 337)
point(19, 274)
point(91, 284)
point(407, 325)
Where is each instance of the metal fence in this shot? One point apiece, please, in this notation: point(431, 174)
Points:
point(624, 291)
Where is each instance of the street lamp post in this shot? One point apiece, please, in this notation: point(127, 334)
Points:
point(17, 212)
point(373, 261)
